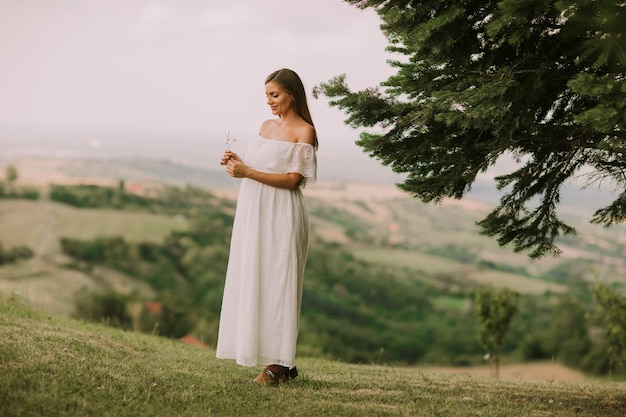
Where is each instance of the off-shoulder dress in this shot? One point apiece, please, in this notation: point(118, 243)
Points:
point(268, 251)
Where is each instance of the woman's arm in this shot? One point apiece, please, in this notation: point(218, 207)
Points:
point(290, 181)
point(237, 169)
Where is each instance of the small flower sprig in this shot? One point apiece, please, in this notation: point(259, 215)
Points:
point(229, 139)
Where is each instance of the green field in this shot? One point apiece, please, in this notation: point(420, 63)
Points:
point(470, 274)
point(45, 279)
point(60, 367)
point(450, 303)
point(408, 259)
point(39, 224)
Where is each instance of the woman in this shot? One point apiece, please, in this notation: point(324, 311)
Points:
point(263, 289)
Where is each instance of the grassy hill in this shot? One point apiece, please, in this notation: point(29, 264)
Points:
point(389, 279)
point(60, 367)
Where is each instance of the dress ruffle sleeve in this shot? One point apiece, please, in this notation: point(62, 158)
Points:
point(304, 162)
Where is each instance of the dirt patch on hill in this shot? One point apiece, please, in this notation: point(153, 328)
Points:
point(540, 371)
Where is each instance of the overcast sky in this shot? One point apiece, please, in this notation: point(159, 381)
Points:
point(182, 66)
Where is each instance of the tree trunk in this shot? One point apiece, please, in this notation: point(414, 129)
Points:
point(496, 360)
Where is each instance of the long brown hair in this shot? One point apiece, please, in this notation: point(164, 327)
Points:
point(291, 82)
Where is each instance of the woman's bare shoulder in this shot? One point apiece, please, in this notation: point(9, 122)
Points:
point(306, 134)
point(267, 125)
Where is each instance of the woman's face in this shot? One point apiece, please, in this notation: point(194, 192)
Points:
point(278, 99)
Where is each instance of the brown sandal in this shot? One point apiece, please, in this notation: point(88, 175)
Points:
point(275, 374)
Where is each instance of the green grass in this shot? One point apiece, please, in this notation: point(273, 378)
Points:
point(61, 367)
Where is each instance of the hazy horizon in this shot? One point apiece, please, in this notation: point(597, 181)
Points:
point(188, 149)
point(196, 151)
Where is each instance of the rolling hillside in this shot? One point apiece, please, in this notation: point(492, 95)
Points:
point(376, 223)
point(389, 280)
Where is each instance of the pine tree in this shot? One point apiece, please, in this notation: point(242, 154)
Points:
point(538, 80)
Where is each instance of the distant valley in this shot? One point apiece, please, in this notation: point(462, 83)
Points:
point(389, 279)
point(411, 233)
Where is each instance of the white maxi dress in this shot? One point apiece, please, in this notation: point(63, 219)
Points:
point(268, 250)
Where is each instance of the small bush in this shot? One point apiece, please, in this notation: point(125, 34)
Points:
point(103, 307)
point(14, 254)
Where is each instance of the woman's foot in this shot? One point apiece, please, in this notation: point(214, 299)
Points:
point(275, 374)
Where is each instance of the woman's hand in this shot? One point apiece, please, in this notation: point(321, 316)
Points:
point(234, 165)
point(236, 168)
point(227, 156)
